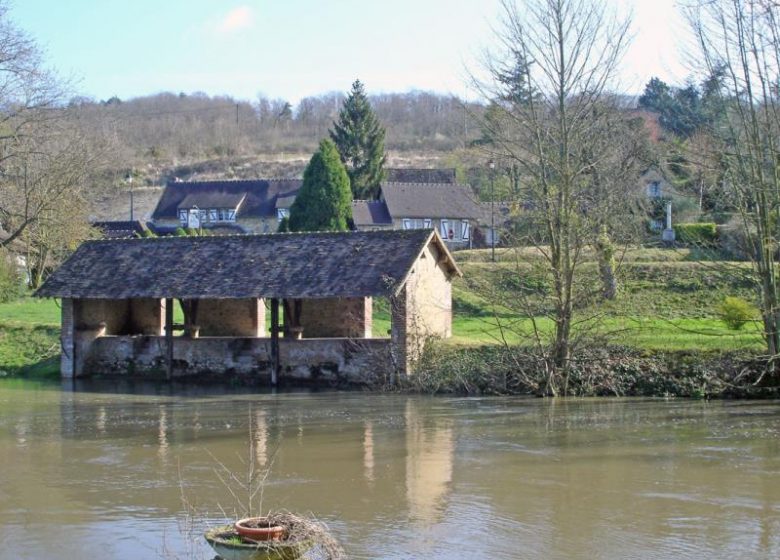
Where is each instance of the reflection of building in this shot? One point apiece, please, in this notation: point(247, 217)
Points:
point(430, 448)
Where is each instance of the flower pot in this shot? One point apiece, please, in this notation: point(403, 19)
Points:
point(258, 529)
point(223, 541)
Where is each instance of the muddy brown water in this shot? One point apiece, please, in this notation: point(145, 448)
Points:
point(96, 471)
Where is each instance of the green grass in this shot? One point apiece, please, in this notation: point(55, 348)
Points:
point(30, 311)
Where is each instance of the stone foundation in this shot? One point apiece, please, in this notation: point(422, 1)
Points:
point(327, 360)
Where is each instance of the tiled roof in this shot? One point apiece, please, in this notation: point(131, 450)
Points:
point(418, 175)
point(412, 200)
point(261, 195)
point(301, 265)
point(216, 199)
point(119, 229)
point(370, 213)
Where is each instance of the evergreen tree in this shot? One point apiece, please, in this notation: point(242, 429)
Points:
point(360, 139)
point(324, 202)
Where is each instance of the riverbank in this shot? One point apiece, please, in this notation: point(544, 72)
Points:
point(599, 371)
point(663, 332)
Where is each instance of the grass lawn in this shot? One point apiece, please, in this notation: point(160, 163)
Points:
point(29, 337)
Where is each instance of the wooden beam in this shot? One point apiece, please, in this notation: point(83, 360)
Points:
point(274, 341)
point(169, 337)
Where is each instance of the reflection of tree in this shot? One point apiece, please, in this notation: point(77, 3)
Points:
point(429, 459)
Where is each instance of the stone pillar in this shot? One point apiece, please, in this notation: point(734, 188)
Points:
point(668, 233)
point(67, 342)
point(399, 349)
point(368, 317)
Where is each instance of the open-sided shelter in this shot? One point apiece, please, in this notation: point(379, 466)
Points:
point(118, 299)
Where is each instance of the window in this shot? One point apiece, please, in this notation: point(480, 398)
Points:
point(231, 215)
point(183, 216)
point(213, 214)
point(654, 189)
point(464, 230)
point(282, 213)
point(407, 223)
point(445, 229)
point(427, 223)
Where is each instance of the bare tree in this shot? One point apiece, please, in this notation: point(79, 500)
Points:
point(553, 119)
point(741, 39)
point(44, 156)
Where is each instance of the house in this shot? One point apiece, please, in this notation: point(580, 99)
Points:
point(450, 209)
point(247, 206)
point(117, 300)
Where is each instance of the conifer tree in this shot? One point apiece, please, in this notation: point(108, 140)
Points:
point(360, 139)
point(324, 202)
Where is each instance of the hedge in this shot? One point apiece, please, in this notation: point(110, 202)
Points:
point(696, 234)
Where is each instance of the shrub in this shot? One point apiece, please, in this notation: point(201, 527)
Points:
point(697, 234)
point(11, 280)
point(735, 312)
point(180, 232)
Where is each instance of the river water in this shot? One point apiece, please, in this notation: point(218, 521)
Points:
point(99, 471)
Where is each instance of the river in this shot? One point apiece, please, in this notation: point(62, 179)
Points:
point(98, 470)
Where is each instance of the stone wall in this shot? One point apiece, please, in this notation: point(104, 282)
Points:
point(422, 309)
point(89, 314)
point(231, 317)
point(328, 360)
point(337, 318)
point(147, 316)
point(67, 342)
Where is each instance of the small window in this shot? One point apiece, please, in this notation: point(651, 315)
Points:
point(408, 224)
point(231, 215)
point(282, 213)
point(183, 217)
point(654, 189)
point(464, 230)
point(427, 223)
point(213, 216)
point(445, 229)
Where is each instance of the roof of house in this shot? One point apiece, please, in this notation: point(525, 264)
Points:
point(300, 265)
point(260, 196)
point(115, 206)
point(214, 199)
point(441, 200)
point(419, 175)
point(119, 229)
point(370, 213)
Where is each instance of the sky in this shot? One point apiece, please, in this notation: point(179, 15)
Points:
point(295, 48)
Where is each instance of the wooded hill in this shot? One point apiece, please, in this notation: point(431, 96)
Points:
point(169, 126)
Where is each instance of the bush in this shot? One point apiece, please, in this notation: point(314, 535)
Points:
point(697, 234)
point(180, 232)
point(735, 312)
point(11, 279)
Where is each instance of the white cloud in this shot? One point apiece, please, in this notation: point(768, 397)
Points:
point(236, 19)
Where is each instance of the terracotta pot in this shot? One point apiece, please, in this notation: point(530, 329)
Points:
point(258, 529)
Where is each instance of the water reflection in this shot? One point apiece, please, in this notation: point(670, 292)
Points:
point(368, 450)
point(393, 476)
point(162, 434)
point(429, 455)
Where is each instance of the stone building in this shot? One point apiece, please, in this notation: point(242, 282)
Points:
point(118, 304)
